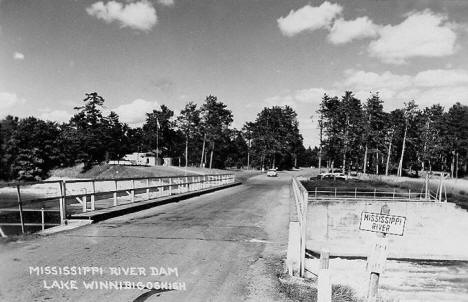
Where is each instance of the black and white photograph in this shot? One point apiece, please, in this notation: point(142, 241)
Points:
point(234, 150)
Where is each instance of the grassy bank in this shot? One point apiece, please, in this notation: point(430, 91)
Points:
point(305, 290)
point(457, 189)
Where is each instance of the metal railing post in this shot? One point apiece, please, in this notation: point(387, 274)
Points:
point(93, 196)
point(115, 193)
point(170, 186)
point(42, 219)
point(147, 189)
point(303, 231)
point(409, 194)
point(133, 190)
point(85, 201)
point(20, 207)
point(62, 203)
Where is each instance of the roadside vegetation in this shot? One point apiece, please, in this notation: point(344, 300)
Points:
point(361, 136)
point(305, 290)
point(199, 136)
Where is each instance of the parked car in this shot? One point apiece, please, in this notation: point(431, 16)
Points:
point(272, 173)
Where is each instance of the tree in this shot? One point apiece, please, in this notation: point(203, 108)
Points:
point(188, 123)
point(8, 126)
point(276, 140)
point(215, 121)
point(429, 138)
point(341, 121)
point(33, 149)
point(374, 119)
point(93, 130)
point(160, 133)
point(410, 111)
point(456, 132)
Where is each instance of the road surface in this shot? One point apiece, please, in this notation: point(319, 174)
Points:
point(223, 246)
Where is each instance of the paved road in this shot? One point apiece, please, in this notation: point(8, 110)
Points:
point(226, 246)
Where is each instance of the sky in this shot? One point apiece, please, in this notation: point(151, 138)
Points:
point(251, 54)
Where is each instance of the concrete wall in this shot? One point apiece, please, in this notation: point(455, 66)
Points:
point(432, 231)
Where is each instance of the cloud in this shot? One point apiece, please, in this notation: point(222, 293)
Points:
point(166, 2)
point(444, 86)
point(312, 95)
point(441, 77)
point(140, 15)
point(345, 31)
point(18, 56)
point(309, 18)
point(9, 100)
point(421, 34)
point(61, 116)
point(360, 79)
point(134, 113)
point(280, 100)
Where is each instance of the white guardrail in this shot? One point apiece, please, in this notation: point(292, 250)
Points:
point(297, 230)
point(78, 196)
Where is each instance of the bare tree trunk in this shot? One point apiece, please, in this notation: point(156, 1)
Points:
point(320, 159)
point(389, 154)
point(211, 156)
point(400, 165)
point(456, 167)
point(186, 152)
point(344, 162)
point(364, 168)
point(377, 164)
point(203, 150)
point(452, 165)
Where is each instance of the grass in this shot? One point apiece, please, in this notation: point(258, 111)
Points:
point(115, 171)
point(302, 290)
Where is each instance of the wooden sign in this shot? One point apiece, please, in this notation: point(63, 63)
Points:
point(382, 223)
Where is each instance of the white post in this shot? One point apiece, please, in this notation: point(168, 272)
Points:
point(303, 231)
point(147, 189)
point(63, 203)
point(93, 206)
point(115, 193)
point(376, 261)
point(42, 219)
point(324, 290)
point(133, 190)
point(170, 186)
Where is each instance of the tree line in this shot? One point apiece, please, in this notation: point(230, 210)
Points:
point(198, 136)
point(363, 137)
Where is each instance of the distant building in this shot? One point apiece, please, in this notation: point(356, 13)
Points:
point(136, 159)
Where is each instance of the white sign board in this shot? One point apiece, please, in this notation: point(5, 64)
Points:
point(381, 223)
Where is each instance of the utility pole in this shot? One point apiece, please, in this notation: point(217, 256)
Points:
point(157, 141)
point(320, 148)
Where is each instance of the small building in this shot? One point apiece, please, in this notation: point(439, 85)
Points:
point(136, 159)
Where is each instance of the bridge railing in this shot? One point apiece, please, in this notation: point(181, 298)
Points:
point(334, 193)
point(297, 229)
point(67, 197)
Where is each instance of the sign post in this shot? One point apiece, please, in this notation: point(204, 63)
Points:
point(382, 223)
